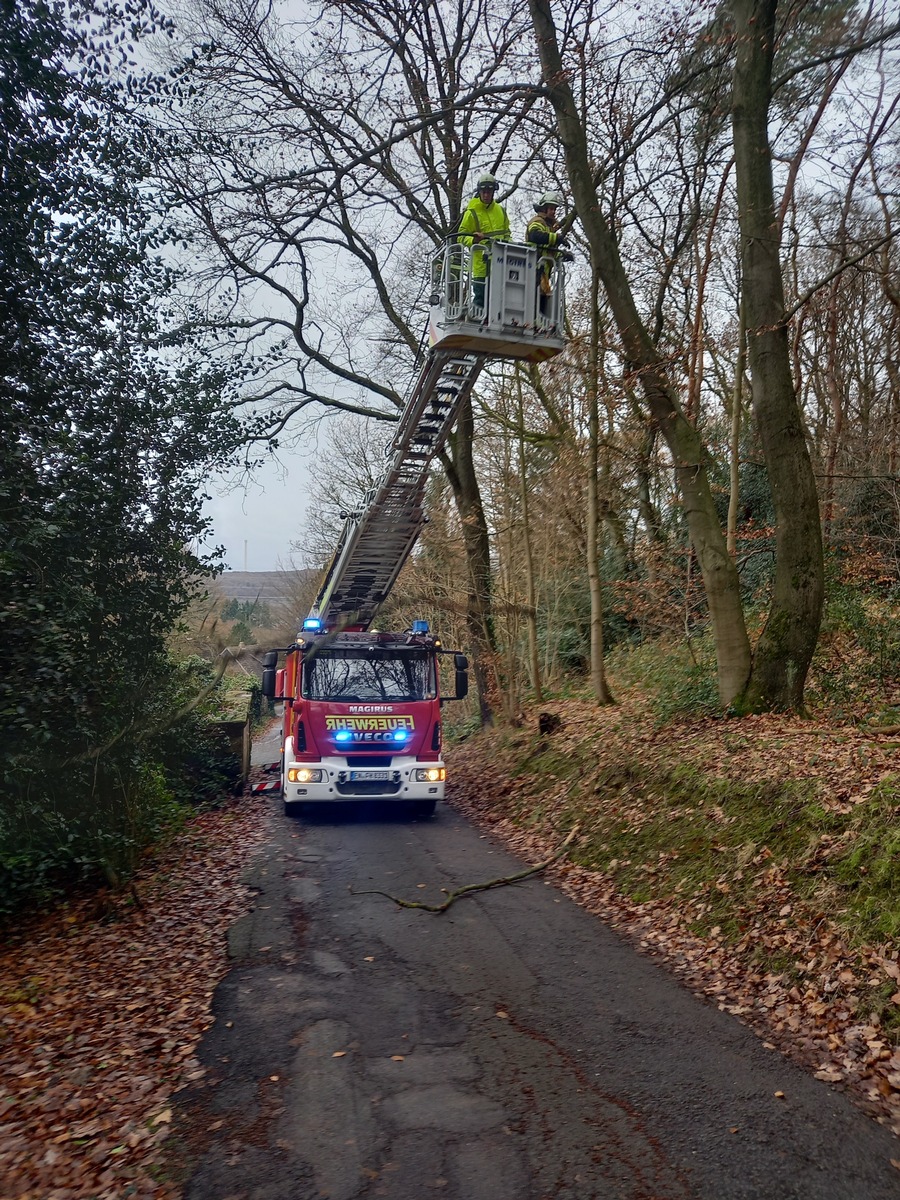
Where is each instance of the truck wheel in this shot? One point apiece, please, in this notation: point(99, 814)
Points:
point(421, 810)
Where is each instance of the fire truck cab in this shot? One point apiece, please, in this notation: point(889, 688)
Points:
point(362, 717)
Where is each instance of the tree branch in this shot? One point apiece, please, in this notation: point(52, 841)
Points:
point(469, 888)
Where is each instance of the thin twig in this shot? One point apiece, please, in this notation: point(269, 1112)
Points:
point(475, 887)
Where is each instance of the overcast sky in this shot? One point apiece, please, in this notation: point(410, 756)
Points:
point(268, 514)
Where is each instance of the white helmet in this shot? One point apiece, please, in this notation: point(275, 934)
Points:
point(486, 181)
point(548, 199)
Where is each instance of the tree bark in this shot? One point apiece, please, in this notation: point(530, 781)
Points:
point(649, 369)
point(737, 408)
point(599, 684)
point(461, 474)
point(534, 661)
point(786, 646)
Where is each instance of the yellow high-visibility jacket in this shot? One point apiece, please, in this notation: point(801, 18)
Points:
point(539, 233)
point(489, 219)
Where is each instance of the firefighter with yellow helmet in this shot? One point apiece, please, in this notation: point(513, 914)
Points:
point(485, 218)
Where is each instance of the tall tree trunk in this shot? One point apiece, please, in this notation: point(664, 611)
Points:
point(460, 470)
point(720, 576)
point(737, 408)
point(645, 477)
point(892, 295)
point(534, 662)
point(600, 687)
point(834, 377)
point(506, 578)
point(788, 641)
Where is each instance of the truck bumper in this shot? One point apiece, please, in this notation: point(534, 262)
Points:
point(341, 784)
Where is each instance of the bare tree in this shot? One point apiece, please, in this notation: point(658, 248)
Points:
point(786, 646)
point(624, 194)
point(327, 157)
point(650, 370)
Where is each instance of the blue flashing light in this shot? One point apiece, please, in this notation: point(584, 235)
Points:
point(420, 626)
point(343, 735)
point(400, 735)
point(312, 625)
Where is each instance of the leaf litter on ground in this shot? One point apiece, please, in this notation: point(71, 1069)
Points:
point(766, 933)
point(102, 1005)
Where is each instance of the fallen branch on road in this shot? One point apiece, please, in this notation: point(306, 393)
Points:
point(475, 887)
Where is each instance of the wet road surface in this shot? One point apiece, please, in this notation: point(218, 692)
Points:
point(510, 1049)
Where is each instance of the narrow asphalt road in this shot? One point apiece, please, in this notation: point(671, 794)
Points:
point(511, 1049)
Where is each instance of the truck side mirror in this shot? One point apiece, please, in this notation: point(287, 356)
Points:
point(270, 662)
point(462, 676)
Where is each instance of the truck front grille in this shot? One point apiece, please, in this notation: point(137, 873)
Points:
point(368, 787)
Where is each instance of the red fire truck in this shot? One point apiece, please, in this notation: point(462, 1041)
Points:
point(362, 717)
point(362, 710)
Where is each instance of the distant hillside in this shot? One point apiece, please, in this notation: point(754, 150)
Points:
point(270, 587)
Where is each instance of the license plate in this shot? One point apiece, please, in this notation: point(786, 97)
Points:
point(376, 776)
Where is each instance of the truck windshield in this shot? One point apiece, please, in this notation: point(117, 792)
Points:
point(369, 675)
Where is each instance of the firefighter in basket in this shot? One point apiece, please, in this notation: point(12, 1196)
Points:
point(543, 231)
point(485, 218)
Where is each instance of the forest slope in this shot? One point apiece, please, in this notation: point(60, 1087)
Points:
point(757, 858)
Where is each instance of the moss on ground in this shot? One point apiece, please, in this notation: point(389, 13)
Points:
point(727, 842)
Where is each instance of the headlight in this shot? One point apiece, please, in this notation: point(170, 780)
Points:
point(303, 775)
point(430, 775)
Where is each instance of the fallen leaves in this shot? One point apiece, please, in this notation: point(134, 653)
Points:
point(820, 1003)
point(99, 1019)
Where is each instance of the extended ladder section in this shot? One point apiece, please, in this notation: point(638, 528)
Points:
point(376, 540)
point(513, 318)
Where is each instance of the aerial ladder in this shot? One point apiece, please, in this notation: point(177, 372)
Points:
point(377, 539)
point(362, 710)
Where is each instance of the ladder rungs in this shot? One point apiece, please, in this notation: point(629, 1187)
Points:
point(375, 549)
